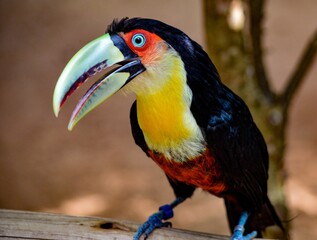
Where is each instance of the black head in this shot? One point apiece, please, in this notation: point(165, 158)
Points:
point(189, 50)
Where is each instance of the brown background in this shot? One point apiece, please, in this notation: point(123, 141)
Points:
point(97, 169)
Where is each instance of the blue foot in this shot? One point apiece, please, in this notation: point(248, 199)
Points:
point(155, 221)
point(239, 229)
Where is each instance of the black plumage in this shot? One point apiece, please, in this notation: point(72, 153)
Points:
point(226, 122)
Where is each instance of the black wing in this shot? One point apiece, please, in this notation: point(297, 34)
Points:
point(180, 189)
point(136, 130)
point(239, 147)
point(233, 138)
point(228, 126)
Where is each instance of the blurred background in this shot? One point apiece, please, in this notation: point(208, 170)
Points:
point(97, 169)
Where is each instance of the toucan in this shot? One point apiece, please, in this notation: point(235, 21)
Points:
point(199, 132)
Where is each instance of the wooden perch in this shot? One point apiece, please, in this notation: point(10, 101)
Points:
point(33, 225)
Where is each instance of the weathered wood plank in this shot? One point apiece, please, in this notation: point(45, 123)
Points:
point(33, 225)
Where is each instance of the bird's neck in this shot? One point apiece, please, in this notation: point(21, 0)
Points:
point(165, 118)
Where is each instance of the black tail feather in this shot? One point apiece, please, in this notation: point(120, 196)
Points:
point(276, 218)
point(257, 221)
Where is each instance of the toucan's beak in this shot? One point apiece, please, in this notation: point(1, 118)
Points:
point(98, 55)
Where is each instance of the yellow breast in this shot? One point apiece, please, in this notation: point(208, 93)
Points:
point(164, 114)
point(161, 115)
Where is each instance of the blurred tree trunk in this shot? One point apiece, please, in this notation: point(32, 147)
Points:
point(234, 41)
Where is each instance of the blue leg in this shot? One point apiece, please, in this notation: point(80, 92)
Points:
point(239, 229)
point(155, 220)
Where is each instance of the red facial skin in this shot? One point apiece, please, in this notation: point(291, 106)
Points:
point(148, 52)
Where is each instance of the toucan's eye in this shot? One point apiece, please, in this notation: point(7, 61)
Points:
point(138, 40)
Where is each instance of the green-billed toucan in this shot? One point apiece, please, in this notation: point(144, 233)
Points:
point(197, 130)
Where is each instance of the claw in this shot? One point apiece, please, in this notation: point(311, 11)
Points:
point(239, 229)
point(155, 221)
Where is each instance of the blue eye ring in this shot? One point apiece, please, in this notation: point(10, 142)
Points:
point(138, 40)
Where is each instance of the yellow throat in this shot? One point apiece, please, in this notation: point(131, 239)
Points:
point(163, 109)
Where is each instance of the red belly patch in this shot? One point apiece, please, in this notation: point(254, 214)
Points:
point(201, 172)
